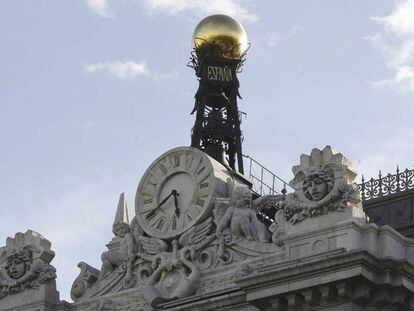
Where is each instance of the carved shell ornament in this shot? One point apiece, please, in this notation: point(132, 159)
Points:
point(326, 161)
point(323, 182)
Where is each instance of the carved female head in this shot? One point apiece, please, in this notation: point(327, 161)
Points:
point(18, 263)
point(318, 183)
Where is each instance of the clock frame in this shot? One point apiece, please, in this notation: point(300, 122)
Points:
point(198, 180)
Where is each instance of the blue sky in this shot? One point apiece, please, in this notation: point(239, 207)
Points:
point(92, 91)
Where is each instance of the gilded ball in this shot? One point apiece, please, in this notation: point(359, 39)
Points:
point(222, 34)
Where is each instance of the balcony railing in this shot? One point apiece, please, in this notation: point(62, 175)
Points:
point(386, 185)
point(264, 181)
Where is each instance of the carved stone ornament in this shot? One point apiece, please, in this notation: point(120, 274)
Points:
point(168, 264)
point(24, 263)
point(173, 278)
point(240, 218)
point(117, 261)
point(323, 183)
point(167, 269)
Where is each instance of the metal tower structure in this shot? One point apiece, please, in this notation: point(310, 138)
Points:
point(217, 126)
point(219, 48)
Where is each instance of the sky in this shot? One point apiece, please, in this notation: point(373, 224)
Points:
point(92, 91)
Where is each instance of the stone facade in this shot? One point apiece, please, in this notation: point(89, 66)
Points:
point(320, 253)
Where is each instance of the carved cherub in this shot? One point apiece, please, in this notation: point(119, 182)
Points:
point(124, 238)
point(111, 259)
point(241, 218)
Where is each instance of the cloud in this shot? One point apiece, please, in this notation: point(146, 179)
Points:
point(126, 69)
point(237, 9)
point(396, 41)
point(172, 7)
point(266, 41)
point(273, 39)
point(100, 7)
point(403, 79)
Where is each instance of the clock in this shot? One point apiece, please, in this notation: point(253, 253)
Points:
point(178, 190)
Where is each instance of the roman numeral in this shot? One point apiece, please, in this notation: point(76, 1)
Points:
point(204, 185)
point(202, 190)
point(147, 191)
point(201, 170)
point(177, 160)
point(160, 223)
point(150, 215)
point(147, 201)
point(192, 213)
point(202, 174)
point(195, 164)
point(153, 221)
point(152, 184)
point(189, 157)
point(174, 224)
point(199, 202)
point(152, 181)
point(163, 169)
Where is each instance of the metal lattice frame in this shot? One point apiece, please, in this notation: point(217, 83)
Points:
point(217, 124)
point(387, 185)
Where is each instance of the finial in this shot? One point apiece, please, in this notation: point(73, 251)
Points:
point(121, 216)
point(221, 35)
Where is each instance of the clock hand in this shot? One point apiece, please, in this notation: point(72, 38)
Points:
point(177, 210)
point(150, 214)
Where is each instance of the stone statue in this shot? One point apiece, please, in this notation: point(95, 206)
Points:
point(122, 247)
point(24, 263)
point(241, 218)
point(117, 263)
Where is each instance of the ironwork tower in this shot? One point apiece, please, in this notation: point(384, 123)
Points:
point(217, 57)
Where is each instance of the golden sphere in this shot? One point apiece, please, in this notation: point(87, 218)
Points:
point(222, 34)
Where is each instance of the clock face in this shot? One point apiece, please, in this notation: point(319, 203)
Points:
point(175, 192)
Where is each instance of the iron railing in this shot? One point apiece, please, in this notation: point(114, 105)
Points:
point(264, 181)
point(386, 185)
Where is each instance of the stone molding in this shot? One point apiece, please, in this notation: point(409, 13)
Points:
point(356, 278)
